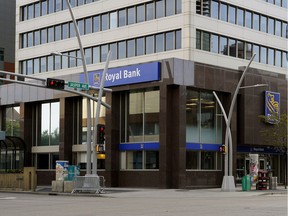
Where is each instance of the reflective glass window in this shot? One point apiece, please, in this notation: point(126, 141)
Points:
point(140, 48)
point(271, 56)
point(30, 11)
point(29, 67)
point(256, 50)
point(50, 63)
point(178, 40)
point(58, 5)
point(278, 58)
point(103, 53)
point(43, 64)
point(57, 32)
point(72, 32)
point(131, 15)
point(284, 59)
point(215, 9)
point(24, 13)
point(256, 21)
point(24, 40)
point(169, 41)
point(130, 48)
point(43, 36)
point(223, 12)
point(240, 17)
point(43, 7)
point(65, 31)
point(206, 41)
point(96, 54)
point(30, 39)
point(284, 30)
point(36, 37)
point(264, 24)
point(96, 24)
point(24, 67)
point(122, 17)
point(240, 49)
point(198, 39)
point(248, 19)
point(50, 6)
point(232, 47)
point(248, 50)
point(208, 160)
point(104, 22)
point(170, 7)
point(36, 65)
point(214, 43)
point(278, 28)
point(73, 3)
point(178, 6)
point(192, 160)
point(263, 55)
point(81, 28)
point(57, 60)
point(88, 55)
point(149, 44)
point(160, 9)
point(140, 10)
point(65, 61)
point(88, 25)
point(50, 34)
point(122, 50)
point(192, 116)
point(271, 27)
point(113, 49)
point(232, 14)
point(159, 40)
point(37, 9)
point(80, 2)
point(150, 11)
point(113, 20)
point(224, 45)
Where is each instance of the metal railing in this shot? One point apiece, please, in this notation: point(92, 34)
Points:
point(89, 183)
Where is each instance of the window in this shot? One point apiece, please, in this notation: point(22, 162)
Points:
point(140, 48)
point(36, 37)
point(284, 59)
point(170, 7)
point(96, 24)
point(271, 56)
point(248, 51)
point(160, 7)
point(72, 31)
point(264, 24)
point(263, 55)
point(232, 47)
point(223, 12)
point(248, 19)
point(72, 59)
point(58, 5)
point(256, 50)
point(223, 45)
point(12, 121)
point(271, 29)
point(278, 28)
point(88, 55)
point(1, 54)
point(50, 6)
point(131, 160)
point(198, 39)
point(29, 67)
point(159, 42)
point(130, 48)
point(43, 36)
point(104, 22)
point(240, 17)
point(206, 41)
point(43, 64)
point(30, 11)
point(58, 33)
point(103, 53)
point(240, 49)
point(122, 50)
point(50, 34)
point(150, 14)
point(96, 54)
point(46, 160)
point(50, 124)
point(215, 9)
point(65, 31)
point(170, 41)
point(232, 14)
point(81, 28)
point(141, 122)
point(57, 60)
point(278, 58)
point(214, 43)
point(43, 7)
point(113, 49)
point(24, 40)
point(131, 15)
point(149, 44)
point(113, 20)
point(284, 30)
point(88, 25)
point(122, 17)
point(140, 9)
point(50, 63)
point(65, 61)
point(36, 65)
point(256, 21)
point(178, 39)
point(30, 39)
point(37, 9)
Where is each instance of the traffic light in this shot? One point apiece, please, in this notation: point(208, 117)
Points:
point(55, 83)
point(100, 134)
point(223, 149)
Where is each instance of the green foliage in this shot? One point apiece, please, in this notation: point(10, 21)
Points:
point(276, 134)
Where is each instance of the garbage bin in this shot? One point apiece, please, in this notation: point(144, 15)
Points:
point(246, 183)
point(273, 183)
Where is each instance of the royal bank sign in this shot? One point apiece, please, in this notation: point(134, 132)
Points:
point(272, 106)
point(125, 75)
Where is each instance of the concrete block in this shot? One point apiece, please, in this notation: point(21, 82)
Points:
point(57, 186)
point(68, 186)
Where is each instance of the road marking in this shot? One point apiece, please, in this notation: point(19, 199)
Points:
point(7, 198)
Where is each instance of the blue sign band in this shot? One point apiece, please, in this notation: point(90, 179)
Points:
point(125, 75)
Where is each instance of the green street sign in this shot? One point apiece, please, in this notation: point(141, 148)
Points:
point(83, 86)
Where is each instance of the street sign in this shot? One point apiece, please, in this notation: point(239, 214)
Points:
point(78, 85)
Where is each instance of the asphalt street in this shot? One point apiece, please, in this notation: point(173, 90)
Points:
point(148, 202)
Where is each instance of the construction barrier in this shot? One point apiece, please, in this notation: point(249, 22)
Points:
point(88, 183)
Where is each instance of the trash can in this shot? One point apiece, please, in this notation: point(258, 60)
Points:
point(246, 183)
point(273, 183)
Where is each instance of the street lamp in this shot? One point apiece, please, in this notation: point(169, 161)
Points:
point(88, 154)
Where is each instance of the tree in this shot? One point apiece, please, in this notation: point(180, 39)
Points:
point(276, 134)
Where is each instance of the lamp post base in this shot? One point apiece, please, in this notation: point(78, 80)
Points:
point(228, 184)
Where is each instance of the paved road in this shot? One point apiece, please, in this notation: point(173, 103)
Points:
point(146, 202)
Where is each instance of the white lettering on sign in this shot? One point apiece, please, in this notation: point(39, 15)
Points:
point(125, 74)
